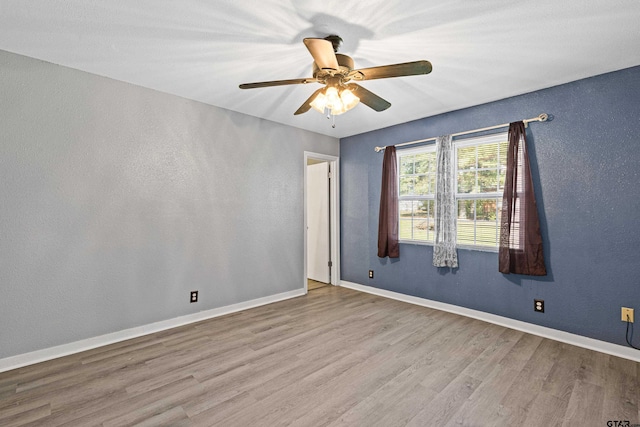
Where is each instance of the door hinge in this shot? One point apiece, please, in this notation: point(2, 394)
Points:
point(330, 264)
point(330, 175)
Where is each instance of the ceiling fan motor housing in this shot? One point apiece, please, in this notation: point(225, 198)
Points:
point(346, 65)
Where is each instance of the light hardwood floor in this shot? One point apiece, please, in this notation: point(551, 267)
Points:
point(314, 284)
point(335, 357)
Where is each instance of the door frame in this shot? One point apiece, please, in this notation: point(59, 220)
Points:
point(334, 214)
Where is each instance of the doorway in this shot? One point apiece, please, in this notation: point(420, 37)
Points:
point(321, 223)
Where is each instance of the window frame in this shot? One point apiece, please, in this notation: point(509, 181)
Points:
point(498, 194)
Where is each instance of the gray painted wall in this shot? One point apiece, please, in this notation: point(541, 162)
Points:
point(116, 201)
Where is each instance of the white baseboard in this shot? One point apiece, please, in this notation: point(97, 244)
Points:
point(43, 355)
point(554, 334)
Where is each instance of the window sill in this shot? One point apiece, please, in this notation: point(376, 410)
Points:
point(478, 248)
point(415, 242)
point(465, 247)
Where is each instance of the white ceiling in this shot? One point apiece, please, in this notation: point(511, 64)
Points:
point(480, 50)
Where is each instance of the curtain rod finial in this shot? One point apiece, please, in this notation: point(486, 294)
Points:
point(378, 149)
point(543, 117)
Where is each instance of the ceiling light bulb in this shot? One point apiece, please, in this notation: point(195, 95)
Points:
point(349, 100)
point(334, 103)
point(333, 99)
point(338, 108)
point(319, 103)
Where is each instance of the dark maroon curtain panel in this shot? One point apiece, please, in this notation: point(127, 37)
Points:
point(520, 240)
point(388, 219)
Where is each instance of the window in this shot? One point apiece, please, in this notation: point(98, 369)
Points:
point(417, 187)
point(480, 167)
point(481, 164)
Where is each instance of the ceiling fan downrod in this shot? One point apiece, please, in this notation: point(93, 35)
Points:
point(336, 41)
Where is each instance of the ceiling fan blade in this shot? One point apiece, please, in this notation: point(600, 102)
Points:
point(395, 70)
point(307, 104)
point(276, 83)
point(368, 98)
point(322, 52)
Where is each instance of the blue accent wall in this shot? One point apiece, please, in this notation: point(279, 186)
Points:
point(586, 171)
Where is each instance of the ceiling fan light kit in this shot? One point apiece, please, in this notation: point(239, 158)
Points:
point(336, 72)
point(336, 102)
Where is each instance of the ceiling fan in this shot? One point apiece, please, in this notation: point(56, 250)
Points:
point(336, 72)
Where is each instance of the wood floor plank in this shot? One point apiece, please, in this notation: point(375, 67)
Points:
point(108, 407)
point(221, 410)
point(333, 399)
point(173, 417)
point(290, 403)
point(27, 373)
point(520, 397)
point(585, 404)
point(548, 410)
point(440, 409)
point(483, 405)
point(8, 389)
point(400, 390)
point(334, 357)
point(475, 356)
point(620, 397)
point(401, 401)
point(25, 416)
point(131, 414)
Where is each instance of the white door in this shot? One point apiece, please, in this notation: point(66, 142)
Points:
point(318, 249)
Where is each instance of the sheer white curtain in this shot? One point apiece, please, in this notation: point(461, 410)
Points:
point(444, 249)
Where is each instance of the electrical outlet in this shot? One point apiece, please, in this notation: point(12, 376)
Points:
point(538, 305)
point(370, 274)
point(194, 296)
point(627, 312)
